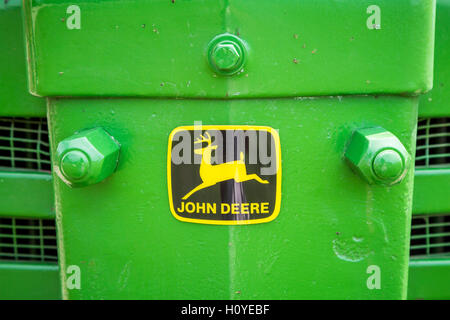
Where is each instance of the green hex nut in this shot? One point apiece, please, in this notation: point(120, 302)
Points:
point(378, 156)
point(226, 54)
point(87, 157)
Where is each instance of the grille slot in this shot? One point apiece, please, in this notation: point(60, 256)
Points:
point(430, 235)
point(23, 239)
point(24, 144)
point(433, 143)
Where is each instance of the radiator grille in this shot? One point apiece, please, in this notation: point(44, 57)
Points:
point(433, 143)
point(24, 144)
point(23, 239)
point(430, 235)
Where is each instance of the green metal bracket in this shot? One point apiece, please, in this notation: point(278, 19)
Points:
point(293, 48)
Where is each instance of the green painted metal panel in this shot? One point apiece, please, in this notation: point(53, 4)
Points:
point(22, 194)
point(26, 195)
point(429, 279)
point(29, 281)
point(431, 191)
point(437, 102)
point(329, 220)
point(15, 99)
point(294, 48)
point(332, 225)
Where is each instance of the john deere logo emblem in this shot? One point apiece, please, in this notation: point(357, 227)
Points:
point(224, 174)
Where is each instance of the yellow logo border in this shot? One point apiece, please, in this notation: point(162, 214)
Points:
point(276, 210)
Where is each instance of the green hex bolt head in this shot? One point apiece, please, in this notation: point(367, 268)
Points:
point(226, 54)
point(378, 156)
point(87, 157)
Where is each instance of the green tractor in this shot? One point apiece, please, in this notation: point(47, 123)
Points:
point(162, 149)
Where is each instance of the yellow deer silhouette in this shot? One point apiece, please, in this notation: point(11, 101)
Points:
point(212, 174)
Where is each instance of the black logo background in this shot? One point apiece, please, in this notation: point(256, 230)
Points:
point(186, 177)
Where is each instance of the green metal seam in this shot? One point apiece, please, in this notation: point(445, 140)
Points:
point(58, 215)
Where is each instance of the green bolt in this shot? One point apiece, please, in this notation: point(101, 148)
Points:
point(377, 156)
point(87, 157)
point(74, 165)
point(388, 165)
point(226, 54)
